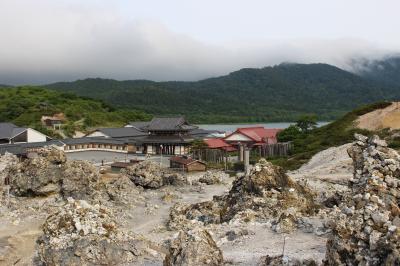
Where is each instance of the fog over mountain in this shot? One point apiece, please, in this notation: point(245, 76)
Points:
point(46, 41)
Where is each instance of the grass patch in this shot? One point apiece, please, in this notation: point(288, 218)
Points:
point(334, 134)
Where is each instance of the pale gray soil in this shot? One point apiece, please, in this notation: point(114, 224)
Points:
point(96, 157)
point(150, 217)
point(19, 230)
point(327, 171)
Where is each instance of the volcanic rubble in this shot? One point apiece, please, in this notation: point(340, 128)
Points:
point(366, 225)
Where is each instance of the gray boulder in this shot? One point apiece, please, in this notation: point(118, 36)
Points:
point(84, 234)
point(80, 179)
point(50, 173)
point(194, 248)
point(148, 174)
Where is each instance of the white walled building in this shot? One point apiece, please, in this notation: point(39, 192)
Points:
point(10, 133)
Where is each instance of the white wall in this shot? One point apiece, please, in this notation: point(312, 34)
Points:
point(149, 149)
point(179, 150)
point(35, 136)
point(238, 137)
point(97, 134)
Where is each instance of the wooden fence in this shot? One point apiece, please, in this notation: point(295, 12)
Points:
point(209, 155)
point(221, 156)
point(275, 150)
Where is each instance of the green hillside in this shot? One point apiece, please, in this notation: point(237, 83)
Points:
point(25, 106)
point(279, 93)
point(339, 132)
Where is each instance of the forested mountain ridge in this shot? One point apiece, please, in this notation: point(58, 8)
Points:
point(26, 105)
point(278, 93)
point(385, 71)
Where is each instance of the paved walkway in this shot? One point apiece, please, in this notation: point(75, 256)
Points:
point(96, 157)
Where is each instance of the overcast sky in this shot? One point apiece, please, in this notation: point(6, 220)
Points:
point(43, 41)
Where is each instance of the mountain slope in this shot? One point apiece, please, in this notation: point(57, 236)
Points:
point(25, 106)
point(385, 71)
point(339, 132)
point(281, 92)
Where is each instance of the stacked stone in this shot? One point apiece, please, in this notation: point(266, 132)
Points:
point(50, 173)
point(150, 175)
point(84, 234)
point(366, 227)
point(266, 195)
point(212, 177)
point(194, 248)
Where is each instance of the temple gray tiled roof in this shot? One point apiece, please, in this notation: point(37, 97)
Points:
point(122, 132)
point(165, 139)
point(139, 125)
point(20, 148)
point(169, 124)
point(9, 130)
point(92, 140)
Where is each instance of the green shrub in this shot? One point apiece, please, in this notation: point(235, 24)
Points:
point(336, 133)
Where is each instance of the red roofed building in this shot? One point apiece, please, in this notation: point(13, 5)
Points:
point(253, 136)
point(219, 144)
point(262, 141)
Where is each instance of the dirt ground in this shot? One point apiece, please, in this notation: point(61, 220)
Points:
point(327, 170)
point(150, 219)
point(332, 166)
point(388, 117)
point(19, 230)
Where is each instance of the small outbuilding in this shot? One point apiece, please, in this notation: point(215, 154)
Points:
point(54, 121)
point(187, 164)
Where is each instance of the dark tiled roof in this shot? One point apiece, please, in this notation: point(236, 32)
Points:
point(169, 124)
point(139, 125)
point(165, 139)
point(9, 130)
point(122, 132)
point(20, 148)
point(92, 140)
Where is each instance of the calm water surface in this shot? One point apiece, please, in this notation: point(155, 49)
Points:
point(233, 127)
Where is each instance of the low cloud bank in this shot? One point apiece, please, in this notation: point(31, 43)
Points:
point(64, 43)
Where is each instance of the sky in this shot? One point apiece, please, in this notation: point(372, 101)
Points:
point(44, 41)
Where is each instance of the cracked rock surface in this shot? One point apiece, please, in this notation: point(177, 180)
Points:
point(267, 193)
point(84, 234)
point(366, 225)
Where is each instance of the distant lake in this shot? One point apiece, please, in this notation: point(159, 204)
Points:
point(233, 127)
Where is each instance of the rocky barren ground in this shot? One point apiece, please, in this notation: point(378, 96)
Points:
point(61, 212)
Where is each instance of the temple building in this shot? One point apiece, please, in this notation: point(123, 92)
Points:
point(161, 135)
point(168, 135)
